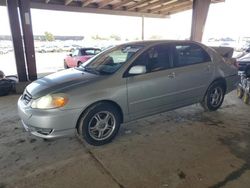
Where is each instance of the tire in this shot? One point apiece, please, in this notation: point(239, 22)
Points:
point(240, 92)
point(214, 97)
point(65, 65)
point(79, 63)
point(99, 124)
point(246, 98)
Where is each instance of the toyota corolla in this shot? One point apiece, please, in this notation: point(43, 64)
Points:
point(122, 84)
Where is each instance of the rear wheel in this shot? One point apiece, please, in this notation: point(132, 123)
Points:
point(214, 97)
point(99, 124)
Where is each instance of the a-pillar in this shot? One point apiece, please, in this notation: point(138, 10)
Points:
point(200, 11)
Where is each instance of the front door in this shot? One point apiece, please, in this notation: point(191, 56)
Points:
point(155, 90)
point(74, 59)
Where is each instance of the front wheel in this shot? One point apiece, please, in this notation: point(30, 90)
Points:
point(99, 124)
point(214, 97)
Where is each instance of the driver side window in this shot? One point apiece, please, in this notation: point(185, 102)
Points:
point(75, 53)
point(155, 59)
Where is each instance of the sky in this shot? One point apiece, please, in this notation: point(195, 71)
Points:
point(228, 19)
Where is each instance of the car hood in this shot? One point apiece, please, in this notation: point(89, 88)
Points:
point(59, 81)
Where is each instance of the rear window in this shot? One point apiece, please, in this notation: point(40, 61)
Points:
point(189, 54)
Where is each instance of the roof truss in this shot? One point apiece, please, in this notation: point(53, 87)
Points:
point(147, 8)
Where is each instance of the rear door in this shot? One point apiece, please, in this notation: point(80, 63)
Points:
point(193, 71)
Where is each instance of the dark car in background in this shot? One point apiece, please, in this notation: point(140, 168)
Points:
point(79, 56)
point(243, 62)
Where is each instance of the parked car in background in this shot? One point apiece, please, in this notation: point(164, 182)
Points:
point(47, 49)
point(3, 50)
point(66, 48)
point(70, 48)
point(125, 83)
point(79, 56)
point(243, 62)
point(75, 47)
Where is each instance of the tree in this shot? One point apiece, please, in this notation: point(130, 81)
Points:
point(49, 36)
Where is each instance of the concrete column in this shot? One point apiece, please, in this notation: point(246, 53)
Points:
point(12, 6)
point(200, 11)
point(24, 7)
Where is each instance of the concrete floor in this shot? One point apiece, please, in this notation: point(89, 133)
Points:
point(185, 148)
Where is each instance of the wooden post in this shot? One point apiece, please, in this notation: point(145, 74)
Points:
point(142, 28)
point(17, 39)
point(24, 7)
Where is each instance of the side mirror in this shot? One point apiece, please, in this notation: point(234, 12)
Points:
point(70, 55)
point(138, 69)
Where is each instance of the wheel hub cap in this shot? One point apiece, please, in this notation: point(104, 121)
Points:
point(216, 97)
point(101, 125)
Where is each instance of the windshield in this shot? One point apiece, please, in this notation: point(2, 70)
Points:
point(110, 62)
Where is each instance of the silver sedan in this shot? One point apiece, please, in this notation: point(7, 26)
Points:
point(122, 84)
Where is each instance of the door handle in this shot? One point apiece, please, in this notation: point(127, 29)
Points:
point(171, 75)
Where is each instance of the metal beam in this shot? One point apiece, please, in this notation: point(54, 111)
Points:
point(87, 2)
point(155, 4)
point(176, 10)
point(139, 3)
point(17, 39)
point(171, 6)
point(105, 3)
point(91, 10)
point(200, 11)
point(66, 2)
point(24, 7)
point(122, 3)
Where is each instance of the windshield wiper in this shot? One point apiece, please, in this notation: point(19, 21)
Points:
point(91, 70)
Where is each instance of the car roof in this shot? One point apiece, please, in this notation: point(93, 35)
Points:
point(155, 42)
point(89, 49)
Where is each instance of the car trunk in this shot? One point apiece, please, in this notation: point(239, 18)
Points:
point(226, 52)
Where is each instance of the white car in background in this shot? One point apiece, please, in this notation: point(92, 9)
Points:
point(4, 50)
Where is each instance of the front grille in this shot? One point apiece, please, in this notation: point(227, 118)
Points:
point(26, 97)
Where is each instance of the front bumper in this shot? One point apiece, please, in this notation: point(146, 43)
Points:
point(48, 123)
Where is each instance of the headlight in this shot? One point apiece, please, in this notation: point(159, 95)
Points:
point(50, 101)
